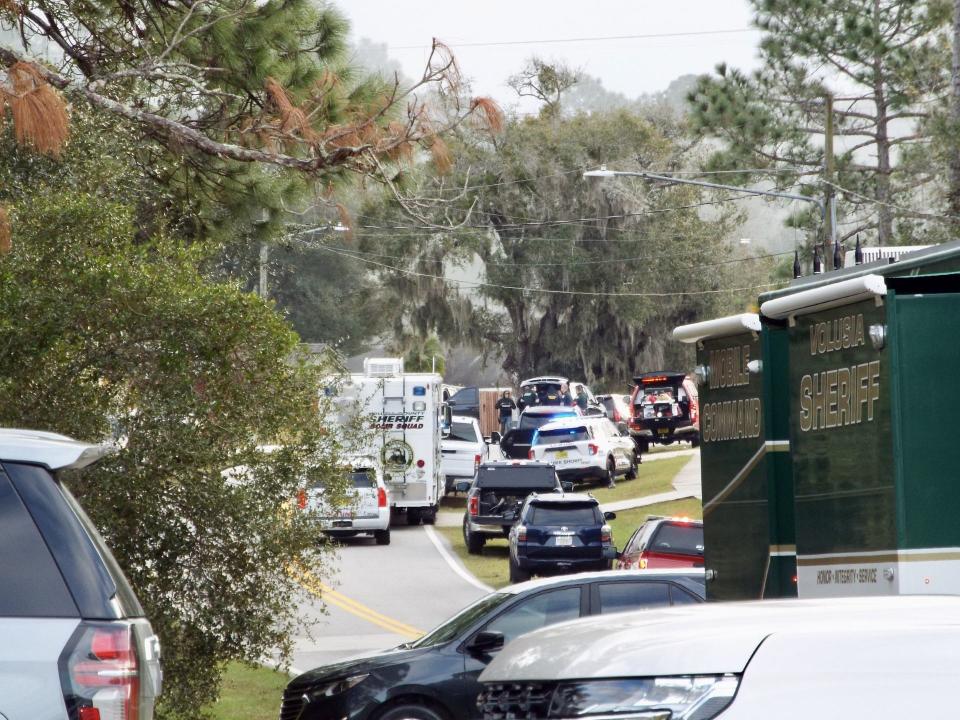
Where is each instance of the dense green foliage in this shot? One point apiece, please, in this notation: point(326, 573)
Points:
point(104, 334)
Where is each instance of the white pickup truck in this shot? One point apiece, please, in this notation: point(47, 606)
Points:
point(462, 451)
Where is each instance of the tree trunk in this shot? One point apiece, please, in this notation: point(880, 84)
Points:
point(882, 193)
point(953, 192)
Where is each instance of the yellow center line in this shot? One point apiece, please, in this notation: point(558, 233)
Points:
point(326, 593)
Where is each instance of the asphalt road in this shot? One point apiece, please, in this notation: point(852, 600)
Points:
point(379, 597)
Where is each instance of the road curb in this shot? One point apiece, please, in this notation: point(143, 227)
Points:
point(459, 568)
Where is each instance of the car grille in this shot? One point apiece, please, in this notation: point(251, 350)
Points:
point(515, 701)
point(293, 704)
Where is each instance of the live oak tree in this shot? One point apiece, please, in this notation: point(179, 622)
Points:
point(884, 62)
point(573, 277)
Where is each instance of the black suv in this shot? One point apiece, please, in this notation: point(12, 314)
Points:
point(560, 533)
point(75, 644)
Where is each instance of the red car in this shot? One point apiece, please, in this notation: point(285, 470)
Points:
point(665, 409)
point(664, 543)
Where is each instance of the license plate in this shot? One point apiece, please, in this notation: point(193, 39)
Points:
point(346, 513)
point(564, 540)
point(663, 431)
point(341, 523)
point(560, 455)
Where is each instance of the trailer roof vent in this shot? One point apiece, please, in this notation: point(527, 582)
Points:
point(721, 327)
point(383, 367)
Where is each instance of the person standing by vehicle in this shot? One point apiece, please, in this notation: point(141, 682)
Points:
point(582, 399)
point(529, 397)
point(505, 407)
point(565, 397)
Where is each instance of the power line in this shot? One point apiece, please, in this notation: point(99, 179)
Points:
point(605, 261)
point(478, 284)
point(605, 38)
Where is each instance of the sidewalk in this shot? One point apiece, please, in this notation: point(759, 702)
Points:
point(686, 484)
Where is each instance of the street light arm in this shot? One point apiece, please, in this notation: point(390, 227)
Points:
point(604, 173)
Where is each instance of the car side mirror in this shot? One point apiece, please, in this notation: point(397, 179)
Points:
point(485, 641)
point(462, 486)
point(495, 438)
point(609, 515)
point(566, 486)
point(624, 429)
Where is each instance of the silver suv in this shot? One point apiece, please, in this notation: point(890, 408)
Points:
point(75, 643)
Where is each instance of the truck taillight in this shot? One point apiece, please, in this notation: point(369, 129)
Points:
point(381, 498)
point(522, 533)
point(477, 459)
point(473, 505)
point(530, 455)
point(100, 673)
point(594, 449)
point(302, 499)
point(617, 417)
point(606, 534)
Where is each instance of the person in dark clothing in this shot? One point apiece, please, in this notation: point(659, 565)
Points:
point(505, 408)
point(529, 397)
point(565, 397)
point(582, 399)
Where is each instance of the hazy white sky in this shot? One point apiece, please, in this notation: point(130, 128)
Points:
point(629, 66)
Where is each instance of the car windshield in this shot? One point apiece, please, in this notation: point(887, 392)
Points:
point(532, 422)
point(678, 538)
point(564, 514)
point(462, 621)
point(463, 432)
point(561, 435)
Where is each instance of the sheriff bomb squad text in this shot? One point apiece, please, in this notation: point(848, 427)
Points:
point(844, 395)
point(731, 419)
point(410, 421)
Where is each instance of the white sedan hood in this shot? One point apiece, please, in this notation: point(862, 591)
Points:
point(707, 639)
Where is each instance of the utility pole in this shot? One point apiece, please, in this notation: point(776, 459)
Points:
point(953, 190)
point(264, 258)
point(828, 175)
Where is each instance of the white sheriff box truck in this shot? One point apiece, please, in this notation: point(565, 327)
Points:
point(406, 415)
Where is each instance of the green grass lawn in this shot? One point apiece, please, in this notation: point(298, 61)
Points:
point(249, 693)
point(491, 565)
point(652, 478)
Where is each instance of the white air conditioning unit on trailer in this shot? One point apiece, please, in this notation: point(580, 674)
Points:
point(383, 367)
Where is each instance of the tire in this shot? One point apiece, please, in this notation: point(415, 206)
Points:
point(410, 711)
point(695, 443)
point(473, 541)
point(517, 574)
point(632, 472)
point(382, 536)
point(413, 516)
point(429, 516)
point(611, 476)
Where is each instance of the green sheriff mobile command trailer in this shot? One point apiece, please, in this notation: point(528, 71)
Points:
point(843, 478)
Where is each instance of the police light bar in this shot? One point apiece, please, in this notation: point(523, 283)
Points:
point(824, 297)
point(720, 327)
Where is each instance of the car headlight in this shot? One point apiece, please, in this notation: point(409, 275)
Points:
point(338, 686)
point(697, 697)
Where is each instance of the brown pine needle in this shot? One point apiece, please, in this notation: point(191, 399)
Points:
point(39, 114)
point(491, 112)
point(442, 157)
point(293, 120)
point(346, 221)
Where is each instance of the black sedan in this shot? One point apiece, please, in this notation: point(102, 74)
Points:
point(435, 677)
